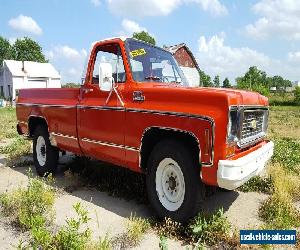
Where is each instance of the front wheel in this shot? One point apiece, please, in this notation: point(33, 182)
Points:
point(45, 156)
point(174, 186)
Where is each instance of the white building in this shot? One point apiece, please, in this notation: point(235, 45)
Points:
point(16, 75)
point(296, 84)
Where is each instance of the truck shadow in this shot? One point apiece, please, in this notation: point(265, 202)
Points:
point(116, 189)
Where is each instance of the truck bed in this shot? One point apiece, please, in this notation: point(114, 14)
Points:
point(57, 106)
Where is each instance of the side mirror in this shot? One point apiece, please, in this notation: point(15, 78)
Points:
point(105, 77)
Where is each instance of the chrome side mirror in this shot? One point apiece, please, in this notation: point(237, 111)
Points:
point(105, 77)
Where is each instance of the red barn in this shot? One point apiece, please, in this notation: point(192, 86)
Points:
point(187, 63)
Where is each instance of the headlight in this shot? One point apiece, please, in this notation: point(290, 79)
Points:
point(233, 121)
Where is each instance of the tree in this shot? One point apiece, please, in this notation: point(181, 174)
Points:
point(255, 80)
point(226, 83)
point(5, 50)
point(205, 79)
point(71, 85)
point(144, 36)
point(217, 81)
point(27, 49)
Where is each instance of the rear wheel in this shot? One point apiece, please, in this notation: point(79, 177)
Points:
point(174, 186)
point(45, 156)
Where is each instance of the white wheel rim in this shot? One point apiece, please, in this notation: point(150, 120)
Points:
point(41, 150)
point(170, 185)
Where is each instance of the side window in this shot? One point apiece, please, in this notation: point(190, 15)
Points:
point(137, 70)
point(110, 54)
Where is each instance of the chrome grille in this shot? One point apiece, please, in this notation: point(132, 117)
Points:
point(253, 126)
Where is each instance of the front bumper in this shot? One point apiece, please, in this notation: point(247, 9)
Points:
point(234, 173)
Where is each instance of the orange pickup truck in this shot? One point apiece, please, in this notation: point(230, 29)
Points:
point(134, 109)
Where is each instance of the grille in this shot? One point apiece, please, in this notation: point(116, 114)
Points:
point(252, 125)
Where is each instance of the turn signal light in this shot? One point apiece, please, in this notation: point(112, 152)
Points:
point(230, 149)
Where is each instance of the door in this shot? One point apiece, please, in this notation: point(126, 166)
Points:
point(37, 83)
point(101, 115)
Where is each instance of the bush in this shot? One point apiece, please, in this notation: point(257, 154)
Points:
point(297, 95)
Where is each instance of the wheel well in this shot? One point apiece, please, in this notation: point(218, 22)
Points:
point(154, 135)
point(33, 122)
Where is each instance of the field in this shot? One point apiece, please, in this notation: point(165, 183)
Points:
point(278, 188)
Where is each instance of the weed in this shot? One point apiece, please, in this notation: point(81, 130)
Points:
point(70, 236)
point(136, 228)
point(258, 184)
point(170, 228)
point(101, 244)
point(210, 229)
point(31, 206)
point(74, 235)
point(163, 244)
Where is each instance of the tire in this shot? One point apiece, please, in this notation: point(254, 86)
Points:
point(45, 156)
point(173, 181)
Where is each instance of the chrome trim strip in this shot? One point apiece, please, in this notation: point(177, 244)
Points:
point(186, 115)
point(46, 105)
point(203, 164)
point(64, 136)
point(171, 113)
point(131, 148)
point(110, 144)
point(101, 107)
point(22, 122)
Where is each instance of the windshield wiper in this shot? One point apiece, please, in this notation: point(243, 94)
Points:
point(155, 78)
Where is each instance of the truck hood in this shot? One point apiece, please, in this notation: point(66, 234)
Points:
point(235, 96)
point(200, 100)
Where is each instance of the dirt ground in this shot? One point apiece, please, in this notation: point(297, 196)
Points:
point(109, 214)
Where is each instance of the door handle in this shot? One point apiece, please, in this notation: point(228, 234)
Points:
point(138, 96)
point(87, 90)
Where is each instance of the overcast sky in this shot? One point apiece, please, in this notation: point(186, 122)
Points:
point(226, 36)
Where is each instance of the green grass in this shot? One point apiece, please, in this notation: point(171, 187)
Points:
point(287, 152)
point(8, 123)
point(279, 213)
point(258, 184)
point(16, 145)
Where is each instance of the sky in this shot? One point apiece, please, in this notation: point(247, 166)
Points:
point(226, 36)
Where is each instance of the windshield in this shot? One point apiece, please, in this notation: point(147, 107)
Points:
point(152, 64)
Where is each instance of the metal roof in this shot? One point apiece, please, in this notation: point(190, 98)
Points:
point(31, 69)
